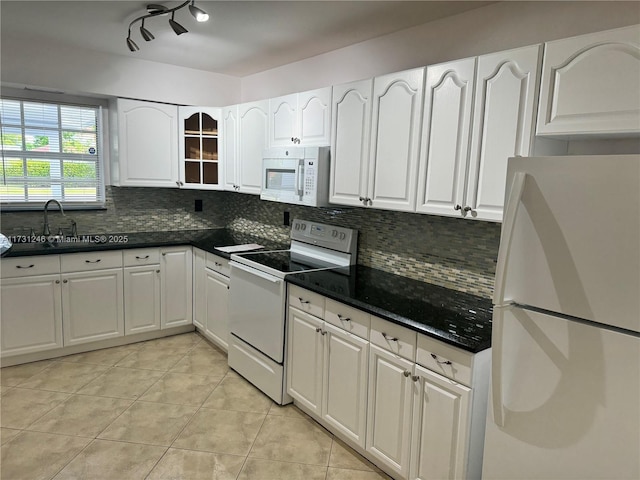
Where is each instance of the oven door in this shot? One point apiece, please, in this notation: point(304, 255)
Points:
point(282, 180)
point(256, 310)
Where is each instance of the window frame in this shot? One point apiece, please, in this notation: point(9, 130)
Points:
point(102, 164)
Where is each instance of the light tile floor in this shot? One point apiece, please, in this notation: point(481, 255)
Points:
point(163, 409)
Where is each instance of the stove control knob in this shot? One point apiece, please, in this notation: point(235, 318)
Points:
point(342, 235)
point(296, 226)
point(303, 227)
point(334, 233)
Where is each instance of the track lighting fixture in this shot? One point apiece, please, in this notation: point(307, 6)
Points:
point(154, 10)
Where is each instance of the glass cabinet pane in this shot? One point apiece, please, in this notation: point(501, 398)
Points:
point(192, 172)
point(209, 148)
point(192, 148)
point(192, 124)
point(209, 125)
point(210, 173)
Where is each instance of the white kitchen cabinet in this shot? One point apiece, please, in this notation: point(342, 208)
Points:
point(344, 391)
point(253, 138)
point(395, 140)
point(351, 129)
point(446, 127)
point(217, 307)
point(199, 148)
point(229, 147)
point(31, 312)
point(591, 84)
point(146, 152)
point(389, 414)
point(141, 299)
point(176, 286)
point(441, 411)
point(93, 305)
point(199, 289)
point(305, 351)
point(301, 118)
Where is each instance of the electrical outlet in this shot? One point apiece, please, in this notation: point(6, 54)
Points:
point(198, 205)
point(286, 220)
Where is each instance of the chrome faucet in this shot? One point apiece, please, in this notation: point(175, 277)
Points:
point(45, 231)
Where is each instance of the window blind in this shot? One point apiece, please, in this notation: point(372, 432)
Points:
point(50, 150)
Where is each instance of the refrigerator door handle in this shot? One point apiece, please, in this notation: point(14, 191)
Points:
point(496, 367)
point(508, 225)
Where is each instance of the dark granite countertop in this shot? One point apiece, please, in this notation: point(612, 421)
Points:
point(204, 239)
point(459, 319)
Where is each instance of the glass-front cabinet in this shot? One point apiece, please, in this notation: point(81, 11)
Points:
point(200, 162)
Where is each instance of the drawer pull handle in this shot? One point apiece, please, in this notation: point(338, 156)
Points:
point(217, 264)
point(142, 258)
point(28, 266)
point(388, 338)
point(440, 362)
point(303, 301)
point(92, 261)
point(344, 319)
point(407, 373)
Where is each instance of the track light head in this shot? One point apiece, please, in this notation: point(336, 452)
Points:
point(179, 29)
point(132, 45)
point(199, 14)
point(146, 34)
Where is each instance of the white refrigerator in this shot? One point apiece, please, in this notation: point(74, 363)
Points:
point(565, 380)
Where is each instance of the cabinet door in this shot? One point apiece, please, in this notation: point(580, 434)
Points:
point(200, 162)
point(314, 117)
point(591, 84)
point(283, 120)
point(93, 306)
point(305, 350)
point(217, 326)
point(506, 86)
point(31, 312)
point(141, 299)
point(229, 135)
point(351, 127)
point(389, 409)
point(440, 427)
point(395, 140)
point(253, 136)
point(147, 144)
point(176, 287)
point(344, 404)
point(448, 106)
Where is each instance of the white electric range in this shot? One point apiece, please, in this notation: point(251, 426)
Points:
point(257, 299)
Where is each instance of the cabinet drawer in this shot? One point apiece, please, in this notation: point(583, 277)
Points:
point(394, 338)
point(444, 359)
point(306, 301)
point(348, 318)
point(217, 264)
point(141, 256)
point(27, 266)
point(82, 262)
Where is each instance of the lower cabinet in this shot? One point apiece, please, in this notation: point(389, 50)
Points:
point(176, 287)
point(389, 409)
point(93, 306)
point(327, 373)
point(31, 314)
point(141, 299)
point(440, 427)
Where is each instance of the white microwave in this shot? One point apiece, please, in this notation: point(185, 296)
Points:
point(298, 175)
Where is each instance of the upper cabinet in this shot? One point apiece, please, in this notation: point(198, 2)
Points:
point(200, 163)
point(229, 144)
point(147, 145)
point(253, 138)
point(590, 84)
point(300, 118)
point(498, 124)
point(376, 132)
point(350, 128)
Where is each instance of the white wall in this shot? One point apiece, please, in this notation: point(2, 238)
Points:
point(77, 71)
point(496, 27)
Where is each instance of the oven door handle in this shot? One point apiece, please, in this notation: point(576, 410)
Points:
point(255, 272)
point(300, 178)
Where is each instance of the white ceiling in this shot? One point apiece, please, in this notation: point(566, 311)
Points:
point(241, 37)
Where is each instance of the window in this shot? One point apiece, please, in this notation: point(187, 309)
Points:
point(50, 150)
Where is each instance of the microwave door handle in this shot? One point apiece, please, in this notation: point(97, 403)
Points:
point(300, 178)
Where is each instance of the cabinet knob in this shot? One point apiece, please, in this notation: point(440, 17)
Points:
point(57, 281)
point(415, 378)
point(406, 373)
point(164, 254)
point(457, 207)
point(158, 271)
point(388, 338)
point(65, 281)
point(468, 209)
point(370, 201)
point(318, 329)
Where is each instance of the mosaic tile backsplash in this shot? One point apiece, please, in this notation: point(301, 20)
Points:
point(450, 252)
